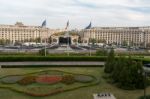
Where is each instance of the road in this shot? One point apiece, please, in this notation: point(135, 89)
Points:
point(52, 63)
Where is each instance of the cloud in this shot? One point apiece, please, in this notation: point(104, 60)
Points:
point(79, 12)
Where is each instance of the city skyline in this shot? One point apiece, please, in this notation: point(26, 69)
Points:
point(78, 12)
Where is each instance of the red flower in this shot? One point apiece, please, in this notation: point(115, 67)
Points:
point(48, 79)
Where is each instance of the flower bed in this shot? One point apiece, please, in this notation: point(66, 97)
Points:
point(57, 79)
point(83, 78)
point(68, 79)
point(11, 79)
point(45, 79)
point(27, 80)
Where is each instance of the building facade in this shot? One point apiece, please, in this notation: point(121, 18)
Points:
point(131, 36)
point(21, 33)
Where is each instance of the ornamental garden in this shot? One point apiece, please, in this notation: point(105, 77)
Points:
point(46, 83)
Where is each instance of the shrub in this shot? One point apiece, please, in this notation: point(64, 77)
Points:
point(83, 78)
point(11, 79)
point(27, 80)
point(68, 79)
point(45, 79)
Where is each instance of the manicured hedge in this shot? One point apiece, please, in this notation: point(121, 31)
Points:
point(147, 97)
point(50, 58)
point(33, 66)
point(144, 60)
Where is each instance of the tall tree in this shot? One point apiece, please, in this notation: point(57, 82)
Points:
point(110, 62)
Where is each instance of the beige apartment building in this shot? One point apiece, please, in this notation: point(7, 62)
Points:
point(134, 36)
point(21, 33)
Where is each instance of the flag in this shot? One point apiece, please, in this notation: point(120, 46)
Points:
point(44, 23)
point(89, 26)
point(67, 25)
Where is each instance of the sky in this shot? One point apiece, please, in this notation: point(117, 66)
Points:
point(78, 12)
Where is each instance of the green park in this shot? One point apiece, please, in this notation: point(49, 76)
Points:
point(121, 75)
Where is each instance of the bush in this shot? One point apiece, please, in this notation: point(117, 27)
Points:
point(27, 80)
point(83, 78)
point(68, 79)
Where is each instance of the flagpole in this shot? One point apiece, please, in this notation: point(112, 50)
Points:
point(45, 41)
point(44, 27)
point(68, 45)
point(67, 38)
point(90, 43)
point(88, 28)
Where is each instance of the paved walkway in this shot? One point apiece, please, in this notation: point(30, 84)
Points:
point(52, 63)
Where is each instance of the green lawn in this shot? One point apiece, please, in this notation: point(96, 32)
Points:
point(82, 93)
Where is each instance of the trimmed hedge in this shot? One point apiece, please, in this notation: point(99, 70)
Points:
point(147, 97)
point(50, 58)
point(144, 60)
point(33, 66)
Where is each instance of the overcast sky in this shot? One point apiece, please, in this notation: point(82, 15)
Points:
point(79, 12)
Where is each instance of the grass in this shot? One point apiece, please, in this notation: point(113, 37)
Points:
point(82, 93)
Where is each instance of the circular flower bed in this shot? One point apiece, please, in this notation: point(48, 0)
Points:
point(45, 79)
point(11, 79)
point(27, 80)
point(83, 78)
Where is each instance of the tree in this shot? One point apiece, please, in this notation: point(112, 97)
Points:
point(50, 40)
point(42, 52)
point(127, 73)
point(101, 52)
point(101, 41)
point(110, 62)
point(37, 40)
point(93, 41)
point(124, 43)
